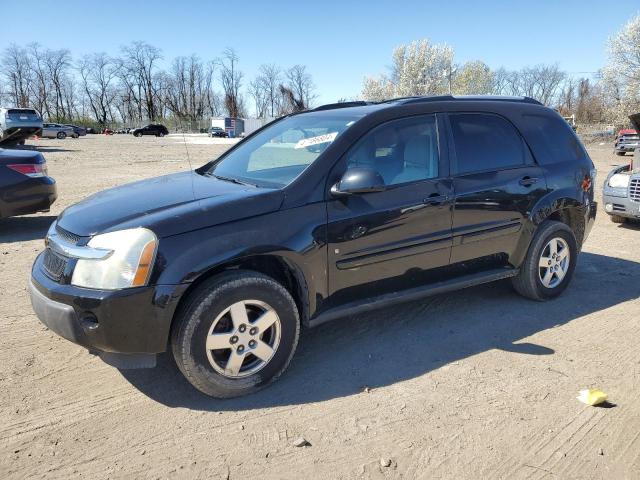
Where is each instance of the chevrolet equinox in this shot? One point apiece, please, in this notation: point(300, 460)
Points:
point(317, 216)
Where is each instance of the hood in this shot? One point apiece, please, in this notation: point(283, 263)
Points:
point(168, 205)
point(635, 121)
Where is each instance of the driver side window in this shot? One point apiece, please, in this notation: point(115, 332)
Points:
point(401, 151)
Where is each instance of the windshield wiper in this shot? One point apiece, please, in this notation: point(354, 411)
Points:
point(231, 179)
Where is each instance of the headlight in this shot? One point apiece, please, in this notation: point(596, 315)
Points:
point(129, 265)
point(619, 180)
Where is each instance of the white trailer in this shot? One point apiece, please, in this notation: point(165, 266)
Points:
point(253, 124)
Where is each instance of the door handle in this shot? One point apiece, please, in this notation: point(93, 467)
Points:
point(436, 199)
point(528, 181)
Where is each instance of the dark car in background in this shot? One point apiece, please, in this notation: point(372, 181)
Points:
point(320, 215)
point(79, 131)
point(151, 129)
point(25, 186)
point(217, 132)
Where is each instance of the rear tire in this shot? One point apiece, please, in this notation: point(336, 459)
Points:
point(621, 154)
point(61, 135)
point(618, 219)
point(540, 282)
point(270, 325)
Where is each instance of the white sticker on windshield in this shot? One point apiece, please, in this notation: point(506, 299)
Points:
point(307, 142)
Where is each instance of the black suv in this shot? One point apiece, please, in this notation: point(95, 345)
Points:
point(151, 129)
point(317, 216)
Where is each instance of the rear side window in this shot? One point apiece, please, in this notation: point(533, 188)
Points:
point(552, 139)
point(485, 142)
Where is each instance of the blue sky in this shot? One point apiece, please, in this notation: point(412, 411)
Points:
point(339, 41)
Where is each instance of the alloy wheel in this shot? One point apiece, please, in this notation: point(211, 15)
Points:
point(243, 338)
point(554, 262)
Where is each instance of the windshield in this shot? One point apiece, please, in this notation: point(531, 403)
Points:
point(275, 156)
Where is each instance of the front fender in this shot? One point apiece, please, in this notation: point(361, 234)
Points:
point(295, 236)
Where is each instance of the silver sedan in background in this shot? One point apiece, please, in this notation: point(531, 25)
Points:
point(55, 130)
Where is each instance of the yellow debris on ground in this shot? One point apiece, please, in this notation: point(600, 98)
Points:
point(592, 396)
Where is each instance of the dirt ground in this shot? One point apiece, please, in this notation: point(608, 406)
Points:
point(476, 384)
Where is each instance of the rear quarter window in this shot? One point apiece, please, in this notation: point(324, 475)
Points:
point(552, 139)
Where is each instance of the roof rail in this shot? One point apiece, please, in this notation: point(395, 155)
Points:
point(332, 106)
point(492, 98)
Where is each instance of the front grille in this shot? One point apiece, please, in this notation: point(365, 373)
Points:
point(618, 208)
point(634, 189)
point(53, 264)
point(67, 236)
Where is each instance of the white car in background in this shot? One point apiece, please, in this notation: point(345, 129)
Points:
point(56, 130)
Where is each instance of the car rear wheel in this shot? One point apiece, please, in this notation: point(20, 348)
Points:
point(620, 154)
point(61, 135)
point(550, 262)
point(618, 219)
point(235, 334)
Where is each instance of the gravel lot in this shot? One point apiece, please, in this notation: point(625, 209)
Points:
point(477, 384)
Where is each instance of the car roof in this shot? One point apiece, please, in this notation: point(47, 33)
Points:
point(363, 108)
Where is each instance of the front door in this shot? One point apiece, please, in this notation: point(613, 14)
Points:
point(496, 183)
point(385, 241)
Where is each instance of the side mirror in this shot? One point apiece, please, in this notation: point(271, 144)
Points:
point(358, 180)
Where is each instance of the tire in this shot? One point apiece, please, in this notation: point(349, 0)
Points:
point(61, 135)
point(529, 282)
point(618, 219)
point(621, 154)
point(75, 135)
point(138, 135)
point(209, 370)
point(161, 134)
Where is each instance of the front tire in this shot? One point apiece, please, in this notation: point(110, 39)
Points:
point(621, 154)
point(61, 135)
point(549, 264)
point(235, 334)
point(618, 219)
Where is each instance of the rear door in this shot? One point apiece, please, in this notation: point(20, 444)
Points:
point(496, 183)
point(386, 241)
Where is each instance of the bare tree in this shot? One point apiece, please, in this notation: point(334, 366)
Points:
point(301, 84)
point(16, 69)
point(140, 64)
point(231, 79)
point(39, 94)
point(98, 72)
point(58, 63)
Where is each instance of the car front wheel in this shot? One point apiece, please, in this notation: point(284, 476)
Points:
point(550, 262)
point(61, 135)
point(235, 334)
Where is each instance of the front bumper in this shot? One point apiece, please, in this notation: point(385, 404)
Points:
point(129, 321)
point(621, 206)
point(626, 148)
